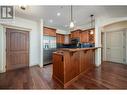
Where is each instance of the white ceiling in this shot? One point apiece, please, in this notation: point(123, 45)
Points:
point(81, 14)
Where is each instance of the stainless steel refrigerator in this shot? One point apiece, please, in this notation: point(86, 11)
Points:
point(49, 47)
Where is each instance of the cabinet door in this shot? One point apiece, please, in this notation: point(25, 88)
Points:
point(49, 31)
point(62, 39)
point(75, 34)
point(84, 37)
point(57, 38)
point(72, 35)
point(45, 31)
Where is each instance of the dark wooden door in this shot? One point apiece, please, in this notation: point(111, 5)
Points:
point(17, 49)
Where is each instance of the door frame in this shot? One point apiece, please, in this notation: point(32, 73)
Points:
point(105, 34)
point(4, 42)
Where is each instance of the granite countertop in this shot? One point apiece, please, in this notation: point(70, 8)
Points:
point(79, 49)
point(60, 51)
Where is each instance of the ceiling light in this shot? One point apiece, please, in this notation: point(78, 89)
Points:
point(91, 32)
point(58, 14)
point(51, 21)
point(71, 23)
point(92, 24)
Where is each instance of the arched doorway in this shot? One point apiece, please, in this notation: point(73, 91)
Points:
point(114, 42)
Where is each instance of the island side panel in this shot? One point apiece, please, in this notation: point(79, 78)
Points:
point(58, 67)
point(87, 60)
point(72, 63)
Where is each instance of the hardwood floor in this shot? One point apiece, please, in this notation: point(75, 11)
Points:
point(107, 76)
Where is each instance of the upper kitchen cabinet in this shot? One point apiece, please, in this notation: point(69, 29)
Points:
point(75, 33)
point(88, 36)
point(84, 36)
point(92, 35)
point(49, 31)
point(60, 38)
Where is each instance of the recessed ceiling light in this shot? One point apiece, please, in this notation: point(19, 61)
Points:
point(51, 21)
point(58, 14)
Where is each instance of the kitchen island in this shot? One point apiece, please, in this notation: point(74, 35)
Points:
point(69, 63)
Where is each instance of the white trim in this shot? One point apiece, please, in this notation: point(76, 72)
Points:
point(117, 30)
point(105, 34)
point(16, 27)
point(4, 49)
point(41, 43)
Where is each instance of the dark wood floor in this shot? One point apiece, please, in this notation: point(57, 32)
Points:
point(107, 76)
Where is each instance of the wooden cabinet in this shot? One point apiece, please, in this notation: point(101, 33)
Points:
point(88, 36)
point(75, 34)
point(92, 35)
point(60, 38)
point(49, 31)
point(84, 37)
point(66, 39)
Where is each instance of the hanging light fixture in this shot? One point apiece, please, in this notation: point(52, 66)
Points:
point(91, 32)
point(72, 22)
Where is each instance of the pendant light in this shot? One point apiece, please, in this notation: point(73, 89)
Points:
point(72, 22)
point(91, 32)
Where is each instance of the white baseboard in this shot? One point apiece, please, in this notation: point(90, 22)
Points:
point(2, 71)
